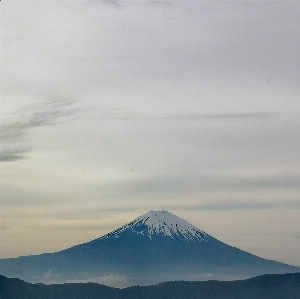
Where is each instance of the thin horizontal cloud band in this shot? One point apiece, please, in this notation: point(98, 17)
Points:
point(121, 115)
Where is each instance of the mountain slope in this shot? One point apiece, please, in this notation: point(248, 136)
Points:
point(155, 247)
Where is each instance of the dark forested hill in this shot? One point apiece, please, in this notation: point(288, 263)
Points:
point(276, 286)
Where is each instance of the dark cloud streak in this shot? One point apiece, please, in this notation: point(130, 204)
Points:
point(14, 131)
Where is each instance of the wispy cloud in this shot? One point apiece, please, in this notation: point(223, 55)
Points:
point(14, 130)
point(120, 114)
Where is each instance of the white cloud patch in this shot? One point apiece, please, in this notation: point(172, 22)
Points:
point(112, 280)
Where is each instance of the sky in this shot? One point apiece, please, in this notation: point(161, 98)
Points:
point(113, 108)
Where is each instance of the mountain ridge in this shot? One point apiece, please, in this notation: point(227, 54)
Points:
point(275, 286)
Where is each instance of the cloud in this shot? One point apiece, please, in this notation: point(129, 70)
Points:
point(112, 280)
point(195, 183)
point(14, 131)
point(107, 2)
point(222, 116)
point(123, 281)
point(242, 206)
point(120, 114)
point(51, 278)
point(13, 154)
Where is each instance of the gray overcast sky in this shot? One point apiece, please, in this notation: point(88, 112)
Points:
point(113, 108)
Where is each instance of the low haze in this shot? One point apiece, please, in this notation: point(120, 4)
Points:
point(110, 109)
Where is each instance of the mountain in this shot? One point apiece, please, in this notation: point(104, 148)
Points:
point(275, 286)
point(153, 248)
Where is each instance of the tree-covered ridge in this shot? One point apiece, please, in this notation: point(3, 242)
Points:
point(276, 286)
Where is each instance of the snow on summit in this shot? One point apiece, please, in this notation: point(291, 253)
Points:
point(162, 223)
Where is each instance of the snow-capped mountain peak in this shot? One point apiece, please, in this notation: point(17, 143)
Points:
point(162, 223)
